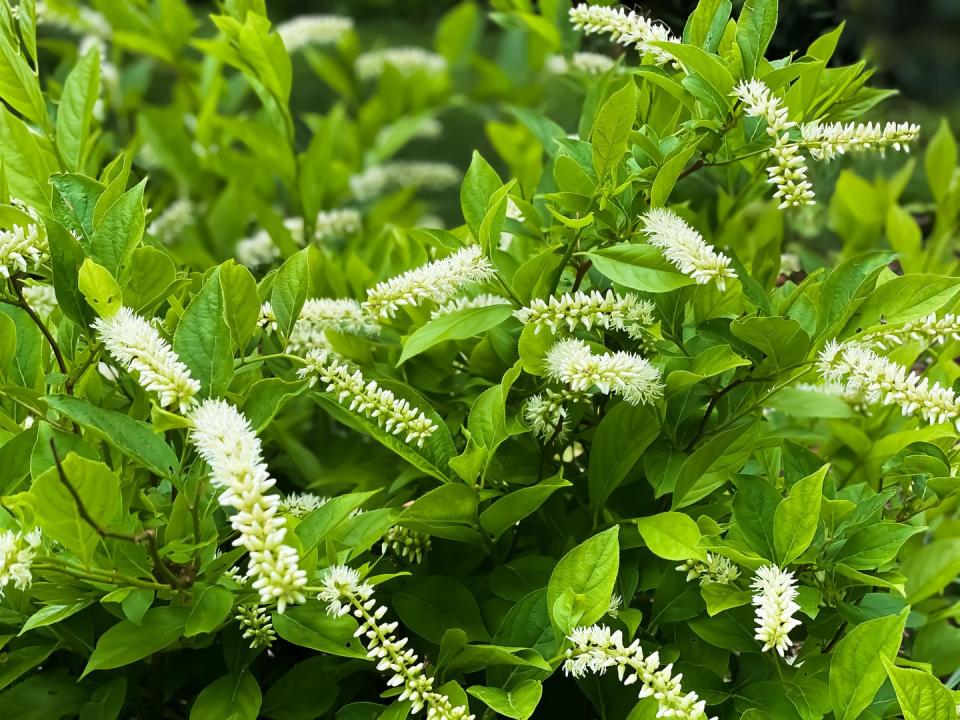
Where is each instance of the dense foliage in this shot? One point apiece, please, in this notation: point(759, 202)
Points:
point(663, 424)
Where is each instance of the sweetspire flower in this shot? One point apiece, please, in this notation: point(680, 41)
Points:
point(389, 177)
point(302, 504)
point(879, 380)
point(135, 343)
point(827, 141)
point(321, 314)
point(610, 311)
point(257, 626)
point(41, 297)
point(17, 551)
point(685, 248)
point(350, 389)
point(595, 649)
point(407, 60)
point(175, 218)
point(789, 174)
point(625, 27)
point(466, 302)
point(622, 373)
point(337, 223)
point(545, 414)
point(344, 593)
point(406, 544)
point(716, 569)
point(22, 247)
point(224, 438)
point(437, 281)
point(929, 330)
point(774, 599)
point(588, 63)
point(304, 30)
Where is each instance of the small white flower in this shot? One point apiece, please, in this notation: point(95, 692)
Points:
point(344, 593)
point(716, 568)
point(545, 414)
point(135, 343)
point(321, 314)
point(625, 27)
point(825, 142)
point(610, 311)
point(173, 221)
point(305, 30)
point(256, 250)
point(789, 174)
point(929, 330)
point(879, 380)
point(481, 300)
point(437, 281)
point(389, 177)
point(16, 555)
point(407, 60)
point(22, 248)
point(685, 248)
point(626, 374)
point(257, 626)
point(775, 592)
point(42, 298)
point(267, 320)
point(351, 390)
point(331, 224)
point(223, 437)
point(301, 504)
point(595, 649)
point(588, 63)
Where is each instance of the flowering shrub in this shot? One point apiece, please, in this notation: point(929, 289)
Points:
point(635, 429)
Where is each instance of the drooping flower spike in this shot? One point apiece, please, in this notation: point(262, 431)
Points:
point(622, 373)
point(685, 248)
point(625, 27)
point(610, 311)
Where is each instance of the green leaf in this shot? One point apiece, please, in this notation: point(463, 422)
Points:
point(290, 290)
point(510, 509)
point(457, 325)
point(241, 302)
point(940, 161)
point(755, 27)
point(80, 93)
point(875, 545)
point(705, 25)
point(99, 288)
point(448, 511)
point(672, 536)
point(233, 697)
point(920, 694)
point(479, 185)
point(19, 85)
point(580, 587)
point(119, 232)
point(52, 614)
point(796, 517)
point(211, 606)
point(432, 604)
point(137, 439)
point(930, 568)
point(856, 670)
point(611, 129)
point(518, 703)
point(311, 627)
point(99, 489)
point(610, 458)
point(304, 692)
point(667, 176)
point(203, 341)
point(905, 298)
point(126, 643)
point(152, 272)
point(638, 267)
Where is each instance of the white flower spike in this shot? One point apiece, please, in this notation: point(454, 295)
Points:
point(626, 374)
point(625, 27)
point(22, 248)
point(17, 552)
point(774, 599)
point(610, 311)
point(685, 248)
point(407, 60)
point(305, 30)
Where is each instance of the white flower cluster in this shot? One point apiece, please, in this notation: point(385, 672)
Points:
point(625, 27)
point(224, 438)
point(685, 248)
point(407, 60)
point(392, 176)
point(42, 298)
point(466, 302)
point(135, 343)
point(16, 555)
point(257, 626)
point(344, 594)
point(267, 320)
point(774, 599)
point(546, 414)
point(302, 504)
point(789, 174)
point(79, 18)
point(406, 544)
point(174, 219)
point(716, 569)
point(350, 389)
point(256, 250)
point(596, 648)
point(610, 311)
point(880, 380)
point(929, 330)
point(437, 281)
point(588, 63)
point(22, 248)
point(827, 141)
point(305, 30)
point(321, 314)
point(338, 223)
point(622, 373)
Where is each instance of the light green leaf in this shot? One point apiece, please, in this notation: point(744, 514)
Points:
point(457, 325)
point(99, 288)
point(672, 536)
point(211, 605)
point(290, 290)
point(796, 517)
point(233, 697)
point(940, 160)
point(518, 703)
point(638, 267)
point(126, 643)
point(920, 694)
point(80, 93)
point(611, 129)
point(203, 341)
point(580, 587)
point(119, 232)
point(755, 27)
